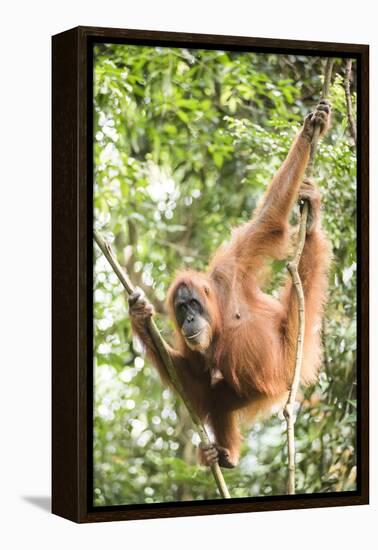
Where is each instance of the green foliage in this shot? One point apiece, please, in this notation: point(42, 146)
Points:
point(185, 143)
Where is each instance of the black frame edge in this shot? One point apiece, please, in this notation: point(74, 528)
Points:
point(65, 463)
point(275, 44)
point(363, 147)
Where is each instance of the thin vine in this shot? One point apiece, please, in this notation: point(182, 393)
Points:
point(162, 351)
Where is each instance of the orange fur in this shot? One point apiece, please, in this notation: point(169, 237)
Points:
point(252, 336)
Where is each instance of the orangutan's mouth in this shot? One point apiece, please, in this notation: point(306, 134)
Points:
point(193, 336)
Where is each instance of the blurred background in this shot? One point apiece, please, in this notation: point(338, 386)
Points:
point(185, 142)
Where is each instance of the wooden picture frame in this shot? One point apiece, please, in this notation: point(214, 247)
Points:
point(72, 241)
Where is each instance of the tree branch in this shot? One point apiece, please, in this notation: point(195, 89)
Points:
point(289, 407)
point(348, 97)
point(293, 270)
point(162, 350)
point(325, 92)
